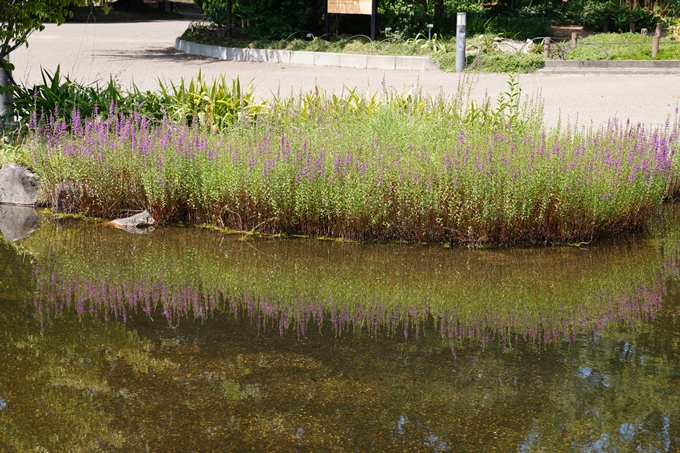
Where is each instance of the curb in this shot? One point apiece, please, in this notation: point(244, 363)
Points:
point(611, 67)
point(298, 57)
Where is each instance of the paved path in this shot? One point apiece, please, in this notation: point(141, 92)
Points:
point(143, 52)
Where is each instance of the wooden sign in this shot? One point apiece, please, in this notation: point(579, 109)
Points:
point(350, 7)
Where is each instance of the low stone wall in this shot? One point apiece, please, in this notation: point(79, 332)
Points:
point(385, 62)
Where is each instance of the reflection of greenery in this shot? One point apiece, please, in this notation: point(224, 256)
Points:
point(220, 383)
point(58, 380)
point(622, 393)
point(230, 387)
point(15, 273)
point(293, 284)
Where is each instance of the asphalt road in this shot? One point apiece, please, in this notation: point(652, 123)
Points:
point(143, 53)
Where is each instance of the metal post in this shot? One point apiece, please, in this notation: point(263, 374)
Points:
point(546, 47)
point(631, 25)
point(574, 40)
point(461, 31)
point(429, 31)
point(605, 24)
point(6, 116)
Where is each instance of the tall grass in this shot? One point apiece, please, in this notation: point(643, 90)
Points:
point(385, 167)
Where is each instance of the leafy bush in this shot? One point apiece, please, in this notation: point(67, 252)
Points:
point(277, 19)
point(507, 24)
point(495, 62)
point(403, 19)
point(618, 15)
point(216, 11)
point(64, 98)
point(15, 154)
point(215, 106)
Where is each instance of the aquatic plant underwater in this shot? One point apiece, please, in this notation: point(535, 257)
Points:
point(359, 167)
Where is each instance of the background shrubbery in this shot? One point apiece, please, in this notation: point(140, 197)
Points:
point(276, 19)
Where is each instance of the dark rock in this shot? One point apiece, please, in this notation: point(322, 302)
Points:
point(17, 222)
point(138, 223)
point(18, 185)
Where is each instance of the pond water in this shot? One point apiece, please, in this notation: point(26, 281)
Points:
point(189, 340)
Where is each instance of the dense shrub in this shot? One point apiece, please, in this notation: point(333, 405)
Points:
point(505, 62)
point(277, 19)
point(359, 167)
point(619, 16)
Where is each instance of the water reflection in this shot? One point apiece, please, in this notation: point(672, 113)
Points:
point(217, 344)
point(536, 295)
point(17, 222)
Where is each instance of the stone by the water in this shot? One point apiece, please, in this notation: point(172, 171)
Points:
point(138, 223)
point(18, 185)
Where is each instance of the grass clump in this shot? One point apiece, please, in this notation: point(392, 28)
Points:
point(494, 62)
point(386, 167)
point(622, 46)
point(11, 153)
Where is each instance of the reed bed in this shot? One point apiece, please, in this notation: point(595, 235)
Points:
point(382, 167)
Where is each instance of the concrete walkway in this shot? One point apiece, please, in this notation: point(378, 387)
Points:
point(143, 53)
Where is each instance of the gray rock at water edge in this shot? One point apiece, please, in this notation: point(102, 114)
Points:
point(17, 222)
point(138, 223)
point(18, 185)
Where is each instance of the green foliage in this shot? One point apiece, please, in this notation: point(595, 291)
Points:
point(64, 98)
point(508, 62)
point(509, 25)
point(623, 46)
point(214, 106)
point(403, 18)
point(17, 154)
point(434, 46)
point(216, 11)
point(277, 19)
point(619, 16)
